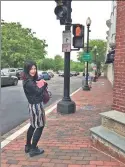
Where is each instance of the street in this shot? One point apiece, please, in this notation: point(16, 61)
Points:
point(14, 104)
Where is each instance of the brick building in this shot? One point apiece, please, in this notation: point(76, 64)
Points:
point(119, 63)
point(115, 68)
point(110, 135)
point(111, 40)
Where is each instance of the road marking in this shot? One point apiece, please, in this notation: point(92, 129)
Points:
point(24, 128)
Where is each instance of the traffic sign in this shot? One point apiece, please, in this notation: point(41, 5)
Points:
point(66, 45)
point(86, 57)
point(66, 48)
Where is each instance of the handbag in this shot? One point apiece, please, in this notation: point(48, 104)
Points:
point(46, 96)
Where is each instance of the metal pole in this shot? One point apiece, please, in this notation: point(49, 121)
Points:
point(86, 87)
point(94, 80)
point(66, 96)
point(67, 106)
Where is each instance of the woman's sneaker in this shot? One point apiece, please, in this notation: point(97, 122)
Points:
point(35, 151)
point(27, 148)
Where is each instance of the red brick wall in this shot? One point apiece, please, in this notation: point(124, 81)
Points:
point(119, 64)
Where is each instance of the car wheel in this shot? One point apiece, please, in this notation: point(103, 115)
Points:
point(15, 82)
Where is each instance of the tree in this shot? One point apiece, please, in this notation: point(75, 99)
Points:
point(46, 64)
point(101, 50)
point(79, 55)
point(19, 44)
point(76, 66)
point(59, 63)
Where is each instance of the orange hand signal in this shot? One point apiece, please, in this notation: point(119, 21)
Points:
point(78, 31)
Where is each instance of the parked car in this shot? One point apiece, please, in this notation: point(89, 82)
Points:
point(43, 75)
point(8, 79)
point(73, 73)
point(61, 73)
point(40, 75)
point(77, 73)
point(19, 73)
point(46, 76)
point(51, 74)
point(10, 71)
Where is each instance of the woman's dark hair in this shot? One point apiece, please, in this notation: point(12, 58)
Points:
point(27, 67)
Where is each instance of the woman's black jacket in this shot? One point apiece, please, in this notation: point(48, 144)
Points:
point(33, 93)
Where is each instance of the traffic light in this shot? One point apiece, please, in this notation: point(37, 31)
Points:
point(78, 39)
point(61, 11)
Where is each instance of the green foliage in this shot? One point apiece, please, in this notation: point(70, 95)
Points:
point(105, 67)
point(101, 50)
point(76, 66)
point(19, 44)
point(46, 64)
point(59, 63)
point(79, 56)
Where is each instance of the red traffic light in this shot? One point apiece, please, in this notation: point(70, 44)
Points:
point(78, 30)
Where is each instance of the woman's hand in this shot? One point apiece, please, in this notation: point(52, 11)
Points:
point(46, 84)
point(40, 83)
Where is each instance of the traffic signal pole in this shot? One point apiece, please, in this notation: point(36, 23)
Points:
point(67, 72)
point(66, 105)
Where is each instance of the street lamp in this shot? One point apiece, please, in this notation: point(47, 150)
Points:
point(95, 51)
point(88, 23)
point(97, 62)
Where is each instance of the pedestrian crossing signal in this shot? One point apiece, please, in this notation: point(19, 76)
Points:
point(78, 31)
point(78, 39)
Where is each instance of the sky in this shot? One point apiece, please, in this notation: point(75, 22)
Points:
point(40, 17)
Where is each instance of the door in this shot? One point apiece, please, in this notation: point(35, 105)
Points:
point(12, 72)
point(4, 79)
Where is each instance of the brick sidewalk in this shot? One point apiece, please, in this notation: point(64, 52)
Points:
point(66, 139)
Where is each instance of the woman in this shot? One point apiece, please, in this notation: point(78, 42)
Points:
point(34, 95)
